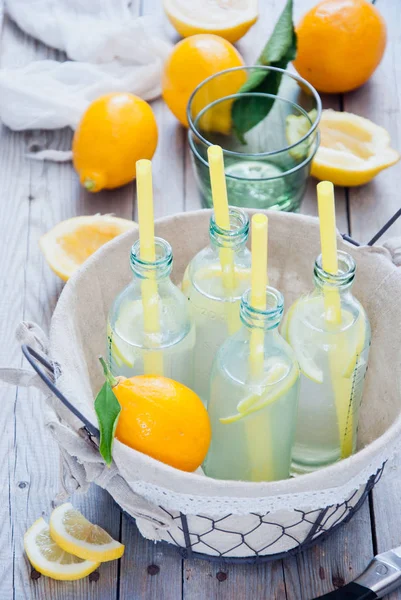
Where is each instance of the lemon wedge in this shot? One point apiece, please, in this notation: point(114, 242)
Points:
point(71, 242)
point(229, 19)
point(75, 534)
point(280, 378)
point(352, 151)
point(51, 560)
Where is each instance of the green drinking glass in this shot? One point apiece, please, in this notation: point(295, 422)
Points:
point(269, 167)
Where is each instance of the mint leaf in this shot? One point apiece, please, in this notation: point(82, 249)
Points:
point(108, 410)
point(280, 49)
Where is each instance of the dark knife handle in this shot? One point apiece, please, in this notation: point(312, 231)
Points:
point(351, 591)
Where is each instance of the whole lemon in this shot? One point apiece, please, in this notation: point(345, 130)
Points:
point(163, 419)
point(193, 60)
point(115, 131)
point(340, 44)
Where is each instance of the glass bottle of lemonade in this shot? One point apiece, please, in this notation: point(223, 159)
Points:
point(333, 355)
point(214, 306)
point(167, 349)
point(253, 411)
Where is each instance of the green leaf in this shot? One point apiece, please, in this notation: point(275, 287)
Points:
point(108, 410)
point(280, 49)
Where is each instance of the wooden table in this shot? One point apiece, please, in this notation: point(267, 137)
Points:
point(34, 197)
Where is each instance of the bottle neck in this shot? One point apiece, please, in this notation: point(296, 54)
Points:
point(236, 237)
point(158, 269)
point(342, 280)
point(268, 318)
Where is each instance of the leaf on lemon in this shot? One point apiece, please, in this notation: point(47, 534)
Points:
point(108, 410)
point(281, 48)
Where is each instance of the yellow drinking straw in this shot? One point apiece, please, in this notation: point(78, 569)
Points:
point(342, 386)
point(222, 218)
point(258, 435)
point(153, 361)
point(259, 281)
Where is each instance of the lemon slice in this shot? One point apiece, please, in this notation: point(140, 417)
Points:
point(215, 272)
point(304, 349)
point(71, 242)
point(296, 126)
point(307, 346)
point(229, 19)
point(352, 151)
point(75, 534)
point(361, 325)
point(51, 560)
point(280, 378)
point(121, 355)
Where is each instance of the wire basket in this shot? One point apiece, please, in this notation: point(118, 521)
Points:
point(205, 518)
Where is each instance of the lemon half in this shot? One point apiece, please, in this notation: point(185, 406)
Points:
point(352, 150)
point(71, 242)
point(229, 19)
point(48, 558)
point(75, 534)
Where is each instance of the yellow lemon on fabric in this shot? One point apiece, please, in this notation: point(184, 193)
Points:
point(163, 419)
point(230, 19)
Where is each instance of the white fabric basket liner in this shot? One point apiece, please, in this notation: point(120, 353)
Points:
point(154, 493)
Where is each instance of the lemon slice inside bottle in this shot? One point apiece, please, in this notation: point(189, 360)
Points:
point(344, 355)
point(120, 355)
point(280, 378)
point(361, 339)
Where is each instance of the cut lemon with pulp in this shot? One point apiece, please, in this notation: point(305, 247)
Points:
point(75, 534)
point(49, 559)
point(280, 378)
point(229, 19)
point(352, 151)
point(71, 242)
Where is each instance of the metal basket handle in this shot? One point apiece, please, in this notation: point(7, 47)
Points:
point(35, 360)
point(378, 235)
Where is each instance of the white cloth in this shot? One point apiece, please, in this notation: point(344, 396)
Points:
point(110, 51)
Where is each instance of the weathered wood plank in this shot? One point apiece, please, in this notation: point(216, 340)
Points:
point(370, 206)
point(332, 563)
point(224, 581)
point(218, 580)
point(168, 164)
point(147, 570)
point(380, 100)
point(344, 555)
point(36, 196)
point(385, 510)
